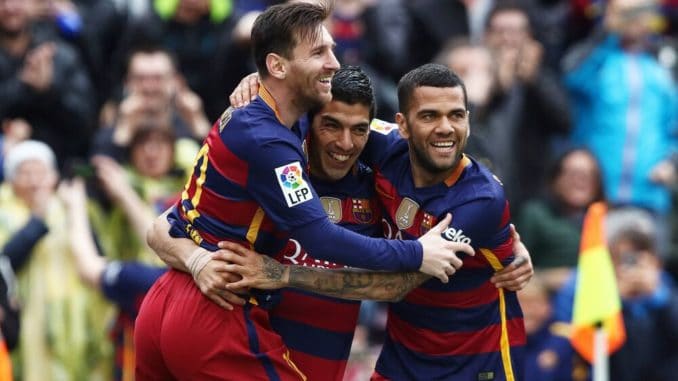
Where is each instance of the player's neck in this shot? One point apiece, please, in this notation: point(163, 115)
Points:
point(426, 177)
point(282, 96)
point(423, 178)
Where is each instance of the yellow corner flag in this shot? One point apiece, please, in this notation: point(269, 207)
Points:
point(596, 299)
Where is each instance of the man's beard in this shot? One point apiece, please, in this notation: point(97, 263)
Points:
point(428, 165)
point(306, 103)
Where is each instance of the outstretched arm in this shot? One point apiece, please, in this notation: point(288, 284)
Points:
point(263, 272)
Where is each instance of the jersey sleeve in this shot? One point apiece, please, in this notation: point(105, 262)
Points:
point(326, 241)
point(280, 184)
point(383, 135)
point(278, 181)
point(126, 283)
point(482, 223)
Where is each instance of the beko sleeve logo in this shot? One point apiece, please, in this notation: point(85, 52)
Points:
point(456, 235)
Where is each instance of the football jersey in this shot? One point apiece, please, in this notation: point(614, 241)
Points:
point(466, 329)
point(250, 185)
point(318, 330)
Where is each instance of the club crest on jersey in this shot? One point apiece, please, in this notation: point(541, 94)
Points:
point(362, 210)
point(291, 180)
point(426, 224)
point(225, 118)
point(332, 206)
point(382, 126)
point(404, 217)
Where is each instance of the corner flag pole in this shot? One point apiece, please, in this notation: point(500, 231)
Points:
point(600, 355)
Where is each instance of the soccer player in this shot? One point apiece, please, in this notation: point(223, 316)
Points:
point(250, 185)
point(465, 329)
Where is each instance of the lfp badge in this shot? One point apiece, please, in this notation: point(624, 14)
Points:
point(291, 180)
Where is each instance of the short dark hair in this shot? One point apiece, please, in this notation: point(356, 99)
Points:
point(149, 49)
point(433, 75)
point(281, 27)
point(509, 6)
point(351, 85)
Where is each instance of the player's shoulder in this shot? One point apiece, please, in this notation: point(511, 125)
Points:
point(479, 182)
point(255, 125)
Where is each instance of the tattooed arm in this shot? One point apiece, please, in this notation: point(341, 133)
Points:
point(263, 272)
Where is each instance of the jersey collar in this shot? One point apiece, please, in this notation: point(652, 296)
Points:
point(268, 99)
point(463, 163)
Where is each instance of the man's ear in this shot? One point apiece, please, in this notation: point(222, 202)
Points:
point(468, 123)
point(276, 65)
point(403, 128)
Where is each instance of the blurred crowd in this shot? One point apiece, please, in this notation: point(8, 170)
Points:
point(104, 103)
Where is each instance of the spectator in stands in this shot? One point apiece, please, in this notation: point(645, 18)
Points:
point(198, 33)
point(93, 28)
point(155, 94)
point(13, 132)
point(626, 108)
point(43, 81)
point(548, 352)
point(528, 105)
point(649, 299)
point(550, 226)
point(63, 323)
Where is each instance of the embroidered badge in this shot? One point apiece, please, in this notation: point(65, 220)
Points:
point(295, 190)
point(404, 217)
point(332, 206)
point(362, 210)
point(426, 224)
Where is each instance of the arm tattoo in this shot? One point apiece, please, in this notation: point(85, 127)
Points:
point(356, 284)
point(273, 270)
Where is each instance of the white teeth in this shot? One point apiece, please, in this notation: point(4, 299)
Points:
point(338, 157)
point(325, 79)
point(443, 144)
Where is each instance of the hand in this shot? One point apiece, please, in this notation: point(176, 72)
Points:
point(530, 60)
point(73, 194)
point(15, 131)
point(518, 273)
point(112, 177)
point(38, 69)
point(480, 84)
point(213, 280)
point(640, 279)
point(257, 271)
point(190, 108)
point(245, 92)
point(663, 173)
point(130, 113)
point(507, 64)
point(440, 259)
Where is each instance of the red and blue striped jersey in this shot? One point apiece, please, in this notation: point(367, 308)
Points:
point(466, 329)
point(318, 330)
point(250, 185)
